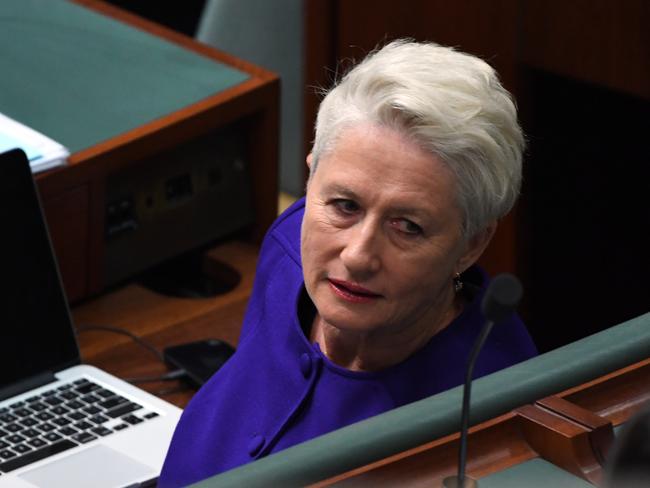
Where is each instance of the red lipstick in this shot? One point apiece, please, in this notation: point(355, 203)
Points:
point(351, 292)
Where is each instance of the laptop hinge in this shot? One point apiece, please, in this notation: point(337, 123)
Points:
point(26, 385)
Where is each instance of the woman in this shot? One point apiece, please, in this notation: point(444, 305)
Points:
point(366, 295)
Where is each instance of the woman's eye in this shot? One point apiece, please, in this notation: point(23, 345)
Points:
point(346, 207)
point(407, 227)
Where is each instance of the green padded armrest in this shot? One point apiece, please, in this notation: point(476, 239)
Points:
point(80, 77)
point(439, 415)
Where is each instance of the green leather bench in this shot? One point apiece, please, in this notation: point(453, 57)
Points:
point(437, 416)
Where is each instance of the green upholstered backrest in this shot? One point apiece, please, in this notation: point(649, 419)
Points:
point(270, 34)
point(439, 415)
point(80, 77)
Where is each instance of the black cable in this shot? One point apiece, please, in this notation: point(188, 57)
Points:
point(120, 330)
point(170, 376)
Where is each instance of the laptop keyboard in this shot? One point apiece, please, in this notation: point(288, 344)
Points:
point(62, 418)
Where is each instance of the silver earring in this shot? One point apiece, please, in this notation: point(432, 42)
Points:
point(458, 283)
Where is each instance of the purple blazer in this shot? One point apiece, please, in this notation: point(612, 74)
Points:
point(279, 389)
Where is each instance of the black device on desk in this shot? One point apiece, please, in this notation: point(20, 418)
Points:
point(200, 360)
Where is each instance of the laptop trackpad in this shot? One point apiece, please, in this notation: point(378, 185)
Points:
point(98, 466)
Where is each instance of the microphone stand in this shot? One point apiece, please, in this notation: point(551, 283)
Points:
point(500, 300)
point(467, 393)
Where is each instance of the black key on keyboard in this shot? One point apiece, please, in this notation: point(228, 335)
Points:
point(38, 406)
point(43, 416)
point(7, 418)
point(21, 448)
point(54, 401)
point(92, 410)
point(132, 419)
point(64, 387)
point(74, 405)
point(104, 393)
point(15, 439)
point(120, 426)
point(87, 388)
point(48, 393)
point(123, 409)
point(84, 437)
point(61, 421)
point(77, 415)
point(113, 402)
point(3, 445)
point(46, 427)
point(37, 442)
point(59, 411)
point(151, 415)
point(91, 398)
point(102, 431)
point(69, 395)
point(29, 422)
point(30, 433)
point(13, 428)
point(7, 454)
point(52, 437)
point(68, 431)
point(98, 419)
point(22, 412)
point(17, 405)
point(83, 425)
point(36, 455)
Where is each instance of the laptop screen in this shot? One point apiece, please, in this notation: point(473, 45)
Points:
point(36, 334)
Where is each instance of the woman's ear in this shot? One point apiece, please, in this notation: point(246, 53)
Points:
point(475, 247)
point(309, 161)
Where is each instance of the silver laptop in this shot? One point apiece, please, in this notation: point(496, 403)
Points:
point(62, 424)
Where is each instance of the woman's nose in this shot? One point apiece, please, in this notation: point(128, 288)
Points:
point(360, 253)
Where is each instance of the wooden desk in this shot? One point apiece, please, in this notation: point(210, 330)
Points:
point(572, 431)
point(123, 93)
point(164, 321)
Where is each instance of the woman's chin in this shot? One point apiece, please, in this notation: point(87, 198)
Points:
point(352, 323)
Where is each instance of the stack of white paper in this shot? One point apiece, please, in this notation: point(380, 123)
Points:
point(42, 152)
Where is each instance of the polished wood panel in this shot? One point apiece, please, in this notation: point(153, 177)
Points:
point(602, 432)
point(562, 442)
point(67, 216)
point(617, 396)
point(598, 41)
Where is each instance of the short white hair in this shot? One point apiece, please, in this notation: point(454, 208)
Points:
point(451, 104)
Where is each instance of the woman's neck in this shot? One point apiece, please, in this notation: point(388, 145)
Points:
point(377, 350)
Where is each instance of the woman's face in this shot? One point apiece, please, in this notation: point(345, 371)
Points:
point(381, 236)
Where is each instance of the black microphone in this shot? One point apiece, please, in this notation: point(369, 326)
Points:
point(500, 300)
